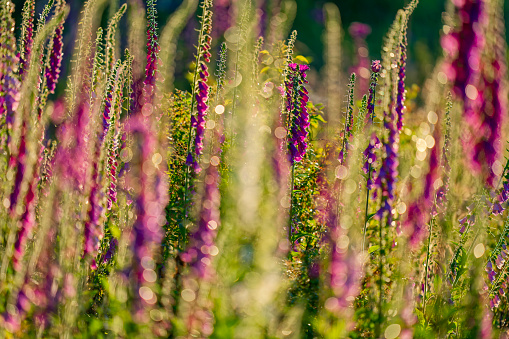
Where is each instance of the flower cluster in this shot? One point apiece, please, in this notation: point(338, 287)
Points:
point(296, 101)
point(369, 167)
point(152, 49)
point(400, 97)
point(376, 67)
point(55, 59)
point(112, 172)
point(348, 132)
point(27, 36)
point(388, 174)
point(201, 89)
point(9, 83)
point(478, 83)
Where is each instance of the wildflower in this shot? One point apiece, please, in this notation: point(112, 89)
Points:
point(9, 83)
point(388, 172)
point(55, 60)
point(348, 120)
point(296, 101)
point(27, 36)
point(201, 89)
point(400, 97)
point(478, 82)
point(370, 156)
point(376, 67)
point(198, 120)
point(112, 172)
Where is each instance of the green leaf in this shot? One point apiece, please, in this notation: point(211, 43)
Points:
point(370, 216)
point(302, 59)
point(373, 248)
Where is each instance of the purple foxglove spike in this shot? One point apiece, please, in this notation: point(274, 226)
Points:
point(388, 172)
point(27, 38)
point(53, 71)
point(297, 99)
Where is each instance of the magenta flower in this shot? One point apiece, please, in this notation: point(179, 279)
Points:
point(478, 83)
point(198, 120)
point(201, 89)
point(55, 61)
point(296, 101)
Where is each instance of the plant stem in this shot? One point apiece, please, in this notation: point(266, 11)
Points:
point(380, 267)
point(366, 210)
point(427, 264)
point(291, 205)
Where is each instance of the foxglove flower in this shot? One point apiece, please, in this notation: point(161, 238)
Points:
point(348, 132)
point(18, 163)
point(201, 89)
point(478, 82)
point(296, 101)
point(388, 172)
point(400, 97)
point(112, 172)
point(9, 83)
point(152, 51)
point(198, 120)
point(26, 36)
point(55, 60)
point(376, 67)
point(27, 220)
point(369, 167)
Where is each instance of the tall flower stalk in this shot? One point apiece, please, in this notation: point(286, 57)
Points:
point(199, 99)
point(27, 35)
point(348, 130)
point(376, 67)
point(298, 122)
